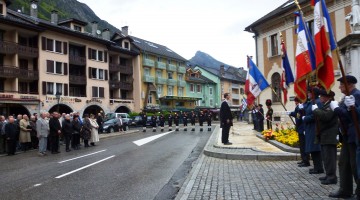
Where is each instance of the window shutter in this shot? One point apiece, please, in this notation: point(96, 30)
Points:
point(89, 72)
point(269, 46)
point(65, 47)
point(278, 43)
point(89, 53)
point(50, 66)
point(43, 43)
point(106, 75)
point(105, 56)
point(101, 92)
point(66, 89)
point(44, 88)
point(65, 68)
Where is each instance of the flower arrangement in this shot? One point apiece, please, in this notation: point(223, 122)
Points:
point(286, 136)
point(268, 134)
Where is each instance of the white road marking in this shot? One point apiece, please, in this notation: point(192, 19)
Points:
point(149, 139)
point(37, 185)
point(81, 156)
point(89, 165)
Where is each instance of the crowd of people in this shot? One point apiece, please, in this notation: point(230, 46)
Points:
point(47, 131)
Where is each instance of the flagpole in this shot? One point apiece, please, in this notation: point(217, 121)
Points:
point(277, 96)
point(305, 27)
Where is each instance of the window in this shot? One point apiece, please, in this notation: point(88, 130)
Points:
point(211, 102)
point(198, 88)
point(97, 55)
point(147, 72)
point(274, 46)
point(275, 82)
point(49, 44)
point(211, 91)
point(159, 59)
point(93, 54)
point(77, 28)
point(54, 45)
point(170, 75)
point(149, 100)
point(180, 77)
point(50, 88)
point(126, 44)
point(159, 90)
point(192, 88)
point(100, 56)
point(97, 73)
point(158, 74)
point(56, 67)
point(59, 67)
point(23, 87)
point(242, 91)
point(98, 92)
point(170, 90)
point(180, 92)
point(58, 88)
point(198, 103)
point(179, 64)
point(169, 61)
point(58, 46)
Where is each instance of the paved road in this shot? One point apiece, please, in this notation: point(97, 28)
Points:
point(116, 169)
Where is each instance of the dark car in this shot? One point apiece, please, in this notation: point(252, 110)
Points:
point(111, 125)
point(137, 121)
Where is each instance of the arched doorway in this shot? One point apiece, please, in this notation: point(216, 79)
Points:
point(122, 109)
point(15, 109)
point(62, 109)
point(275, 82)
point(93, 109)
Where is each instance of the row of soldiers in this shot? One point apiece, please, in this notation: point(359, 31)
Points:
point(176, 119)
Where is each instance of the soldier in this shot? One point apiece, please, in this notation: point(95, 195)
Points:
point(201, 120)
point(192, 120)
point(269, 114)
point(208, 119)
point(162, 122)
point(144, 119)
point(176, 121)
point(260, 117)
point(170, 121)
point(153, 122)
point(185, 117)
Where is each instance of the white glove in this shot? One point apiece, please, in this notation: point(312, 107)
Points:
point(288, 112)
point(303, 117)
point(349, 101)
point(301, 106)
point(333, 105)
point(313, 107)
point(304, 132)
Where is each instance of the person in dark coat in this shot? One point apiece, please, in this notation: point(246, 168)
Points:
point(185, 118)
point(311, 146)
point(226, 119)
point(144, 119)
point(67, 131)
point(170, 121)
point(100, 122)
point(192, 120)
point(269, 114)
point(176, 121)
point(299, 127)
point(254, 119)
point(55, 131)
point(208, 119)
point(86, 130)
point(328, 130)
point(348, 167)
point(201, 120)
point(260, 118)
point(76, 126)
point(162, 122)
point(11, 135)
point(153, 122)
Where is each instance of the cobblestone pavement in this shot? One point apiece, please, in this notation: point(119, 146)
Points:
point(219, 179)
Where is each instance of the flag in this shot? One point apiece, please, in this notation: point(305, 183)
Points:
point(255, 83)
point(324, 61)
point(304, 57)
point(243, 105)
point(287, 75)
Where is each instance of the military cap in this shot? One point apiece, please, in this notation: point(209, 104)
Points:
point(349, 78)
point(324, 93)
point(260, 105)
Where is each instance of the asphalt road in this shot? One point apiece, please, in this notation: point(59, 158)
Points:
point(116, 168)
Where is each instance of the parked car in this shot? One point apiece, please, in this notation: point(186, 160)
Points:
point(111, 125)
point(124, 117)
point(137, 121)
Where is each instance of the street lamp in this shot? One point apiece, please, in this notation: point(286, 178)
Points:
point(57, 96)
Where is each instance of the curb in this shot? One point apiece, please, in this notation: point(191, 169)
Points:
point(280, 145)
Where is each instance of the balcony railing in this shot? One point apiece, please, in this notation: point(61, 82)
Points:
point(115, 84)
point(12, 48)
point(160, 65)
point(77, 60)
point(172, 82)
point(149, 79)
point(235, 96)
point(162, 81)
point(181, 83)
point(235, 85)
point(171, 67)
point(15, 72)
point(148, 62)
point(120, 68)
point(79, 80)
point(181, 70)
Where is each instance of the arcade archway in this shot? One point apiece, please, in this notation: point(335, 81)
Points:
point(93, 109)
point(122, 109)
point(61, 108)
point(13, 109)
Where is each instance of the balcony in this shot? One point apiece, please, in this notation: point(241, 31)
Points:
point(235, 85)
point(171, 67)
point(160, 65)
point(12, 48)
point(161, 81)
point(77, 60)
point(148, 79)
point(148, 63)
point(79, 80)
point(181, 83)
point(172, 82)
point(181, 70)
point(120, 68)
point(120, 85)
point(15, 72)
point(235, 96)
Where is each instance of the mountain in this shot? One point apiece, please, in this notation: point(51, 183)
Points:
point(205, 60)
point(66, 9)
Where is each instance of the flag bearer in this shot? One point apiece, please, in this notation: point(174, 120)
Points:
point(170, 121)
point(176, 121)
point(201, 120)
point(185, 117)
point(192, 119)
point(153, 122)
point(162, 122)
point(144, 118)
point(208, 119)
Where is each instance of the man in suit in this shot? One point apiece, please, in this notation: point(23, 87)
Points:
point(55, 131)
point(260, 118)
point(226, 119)
point(43, 129)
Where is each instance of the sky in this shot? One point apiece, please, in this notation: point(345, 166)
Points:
point(215, 27)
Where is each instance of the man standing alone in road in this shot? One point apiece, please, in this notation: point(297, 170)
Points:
point(226, 119)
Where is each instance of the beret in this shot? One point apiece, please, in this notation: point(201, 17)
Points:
point(324, 93)
point(349, 78)
point(268, 102)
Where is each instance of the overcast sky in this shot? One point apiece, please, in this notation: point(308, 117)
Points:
point(215, 27)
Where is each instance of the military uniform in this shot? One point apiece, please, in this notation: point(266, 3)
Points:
point(208, 119)
point(192, 120)
point(144, 119)
point(176, 121)
point(162, 122)
point(185, 117)
point(269, 114)
point(153, 122)
point(201, 120)
point(170, 121)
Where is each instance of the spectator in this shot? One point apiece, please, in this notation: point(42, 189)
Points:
point(33, 133)
point(67, 131)
point(55, 131)
point(100, 121)
point(2, 134)
point(94, 130)
point(11, 135)
point(25, 137)
point(42, 127)
point(86, 130)
point(120, 123)
point(75, 141)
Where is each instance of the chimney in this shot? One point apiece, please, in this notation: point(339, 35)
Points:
point(106, 34)
point(54, 17)
point(222, 70)
point(94, 27)
point(34, 8)
point(125, 30)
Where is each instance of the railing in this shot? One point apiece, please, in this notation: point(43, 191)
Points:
point(235, 96)
point(148, 79)
point(148, 62)
point(12, 48)
point(15, 72)
point(80, 80)
point(171, 67)
point(172, 82)
point(115, 84)
point(123, 69)
point(181, 70)
point(160, 65)
point(162, 81)
point(181, 83)
point(77, 60)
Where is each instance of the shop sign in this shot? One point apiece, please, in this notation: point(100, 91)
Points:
point(94, 100)
point(28, 97)
point(6, 96)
